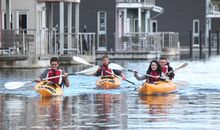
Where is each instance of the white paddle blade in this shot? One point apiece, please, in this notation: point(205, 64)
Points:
point(80, 60)
point(115, 66)
point(14, 85)
point(181, 66)
point(89, 71)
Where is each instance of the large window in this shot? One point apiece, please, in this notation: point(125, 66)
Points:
point(102, 30)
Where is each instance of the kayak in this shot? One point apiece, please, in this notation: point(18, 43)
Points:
point(48, 90)
point(159, 87)
point(108, 83)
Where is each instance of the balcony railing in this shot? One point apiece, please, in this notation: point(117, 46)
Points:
point(147, 41)
point(32, 42)
point(149, 2)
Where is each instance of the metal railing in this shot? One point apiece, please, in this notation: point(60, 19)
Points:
point(150, 2)
point(81, 43)
point(32, 42)
point(147, 41)
point(18, 42)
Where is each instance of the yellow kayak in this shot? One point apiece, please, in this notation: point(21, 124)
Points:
point(108, 83)
point(159, 87)
point(47, 90)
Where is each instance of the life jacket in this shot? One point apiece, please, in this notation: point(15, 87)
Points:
point(106, 72)
point(52, 73)
point(164, 69)
point(153, 73)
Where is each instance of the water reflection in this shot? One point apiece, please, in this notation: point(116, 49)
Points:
point(49, 113)
point(158, 106)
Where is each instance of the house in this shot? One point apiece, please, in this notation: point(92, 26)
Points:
point(144, 25)
point(183, 16)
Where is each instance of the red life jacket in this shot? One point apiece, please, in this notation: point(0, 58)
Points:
point(154, 73)
point(105, 71)
point(52, 73)
point(164, 69)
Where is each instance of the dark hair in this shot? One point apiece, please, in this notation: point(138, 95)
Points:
point(158, 67)
point(163, 58)
point(105, 56)
point(54, 59)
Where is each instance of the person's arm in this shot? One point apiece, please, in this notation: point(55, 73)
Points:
point(163, 77)
point(171, 75)
point(139, 77)
point(66, 80)
point(42, 76)
point(119, 73)
point(98, 72)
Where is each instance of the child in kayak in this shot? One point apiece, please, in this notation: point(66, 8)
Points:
point(55, 71)
point(105, 72)
point(154, 71)
point(166, 68)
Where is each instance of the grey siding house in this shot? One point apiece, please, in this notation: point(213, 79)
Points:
point(183, 16)
point(115, 20)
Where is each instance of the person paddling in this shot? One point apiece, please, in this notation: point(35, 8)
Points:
point(105, 72)
point(154, 70)
point(54, 70)
point(166, 68)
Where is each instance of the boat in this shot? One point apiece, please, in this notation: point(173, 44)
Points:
point(159, 87)
point(47, 90)
point(108, 83)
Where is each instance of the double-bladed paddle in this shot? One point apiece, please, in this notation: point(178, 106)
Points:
point(118, 67)
point(82, 61)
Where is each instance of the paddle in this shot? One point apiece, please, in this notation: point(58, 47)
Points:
point(88, 71)
point(82, 61)
point(16, 85)
point(179, 67)
point(118, 67)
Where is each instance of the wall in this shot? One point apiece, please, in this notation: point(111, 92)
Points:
point(178, 17)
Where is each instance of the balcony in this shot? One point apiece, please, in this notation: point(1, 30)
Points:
point(145, 4)
point(214, 12)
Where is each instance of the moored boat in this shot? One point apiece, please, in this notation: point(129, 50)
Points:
point(47, 90)
point(159, 87)
point(108, 83)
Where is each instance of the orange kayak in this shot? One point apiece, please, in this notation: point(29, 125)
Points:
point(160, 87)
point(47, 90)
point(108, 83)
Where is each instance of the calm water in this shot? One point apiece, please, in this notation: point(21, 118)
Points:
point(193, 107)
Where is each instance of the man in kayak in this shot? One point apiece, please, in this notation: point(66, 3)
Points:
point(105, 72)
point(54, 70)
point(155, 72)
point(166, 68)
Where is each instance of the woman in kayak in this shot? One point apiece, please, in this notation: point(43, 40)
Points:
point(54, 70)
point(154, 73)
point(105, 72)
point(166, 68)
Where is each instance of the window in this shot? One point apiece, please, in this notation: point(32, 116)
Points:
point(22, 21)
point(154, 26)
point(195, 34)
point(102, 30)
